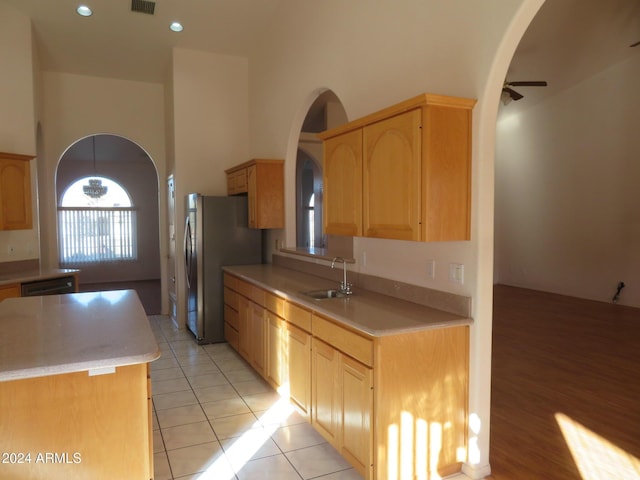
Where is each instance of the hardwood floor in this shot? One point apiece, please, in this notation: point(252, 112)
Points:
point(558, 358)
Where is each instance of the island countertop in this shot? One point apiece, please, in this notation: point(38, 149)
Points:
point(55, 334)
point(371, 313)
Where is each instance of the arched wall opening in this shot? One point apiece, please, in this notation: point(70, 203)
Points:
point(126, 163)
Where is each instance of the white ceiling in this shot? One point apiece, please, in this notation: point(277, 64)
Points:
point(568, 40)
point(571, 40)
point(116, 42)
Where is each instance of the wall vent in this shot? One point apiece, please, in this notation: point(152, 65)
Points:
point(143, 6)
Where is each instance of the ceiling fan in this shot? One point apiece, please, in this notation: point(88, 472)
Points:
point(509, 93)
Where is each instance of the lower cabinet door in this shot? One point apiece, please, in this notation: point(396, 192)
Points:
point(244, 330)
point(298, 344)
point(357, 410)
point(258, 338)
point(325, 391)
point(276, 351)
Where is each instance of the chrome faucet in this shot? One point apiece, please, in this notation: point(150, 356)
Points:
point(345, 287)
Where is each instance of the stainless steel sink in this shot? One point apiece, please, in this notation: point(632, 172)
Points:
point(323, 294)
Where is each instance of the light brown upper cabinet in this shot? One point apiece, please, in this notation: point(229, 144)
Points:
point(262, 180)
point(342, 183)
point(15, 192)
point(412, 165)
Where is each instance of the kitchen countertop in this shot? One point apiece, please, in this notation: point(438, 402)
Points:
point(76, 332)
point(35, 274)
point(371, 313)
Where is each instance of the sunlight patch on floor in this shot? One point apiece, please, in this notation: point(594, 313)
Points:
point(596, 457)
point(245, 447)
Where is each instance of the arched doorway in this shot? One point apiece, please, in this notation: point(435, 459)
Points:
point(129, 234)
point(325, 112)
point(545, 221)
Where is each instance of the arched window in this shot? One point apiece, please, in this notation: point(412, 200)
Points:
point(96, 223)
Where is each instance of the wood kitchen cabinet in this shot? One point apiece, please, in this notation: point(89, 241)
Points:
point(391, 177)
point(342, 392)
point(298, 348)
point(262, 180)
point(342, 396)
point(394, 405)
point(276, 369)
point(278, 344)
point(325, 390)
point(257, 338)
point(342, 183)
point(15, 192)
point(10, 291)
point(415, 174)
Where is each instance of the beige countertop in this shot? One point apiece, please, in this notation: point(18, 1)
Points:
point(35, 274)
point(93, 331)
point(368, 312)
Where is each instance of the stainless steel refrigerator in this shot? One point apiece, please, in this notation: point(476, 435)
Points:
point(216, 234)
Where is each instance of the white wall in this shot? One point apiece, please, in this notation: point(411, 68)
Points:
point(76, 106)
point(17, 118)
point(210, 131)
point(567, 174)
point(372, 55)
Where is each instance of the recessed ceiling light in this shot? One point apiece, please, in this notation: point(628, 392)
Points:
point(176, 26)
point(84, 11)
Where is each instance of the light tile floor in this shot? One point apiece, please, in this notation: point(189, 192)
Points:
point(215, 418)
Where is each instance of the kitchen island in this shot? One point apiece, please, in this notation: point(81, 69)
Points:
point(75, 394)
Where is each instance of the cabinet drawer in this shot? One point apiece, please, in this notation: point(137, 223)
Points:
point(237, 182)
point(230, 281)
point(348, 342)
point(231, 316)
point(274, 303)
point(297, 315)
point(253, 293)
point(231, 298)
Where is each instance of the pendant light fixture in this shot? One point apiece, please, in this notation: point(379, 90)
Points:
point(95, 189)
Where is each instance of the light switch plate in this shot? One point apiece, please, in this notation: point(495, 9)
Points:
point(456, 273)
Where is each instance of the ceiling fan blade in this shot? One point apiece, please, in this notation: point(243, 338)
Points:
point(527, 84)
point(512, 93)
point(635, 44)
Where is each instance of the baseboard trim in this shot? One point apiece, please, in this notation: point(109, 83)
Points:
point(475, 472)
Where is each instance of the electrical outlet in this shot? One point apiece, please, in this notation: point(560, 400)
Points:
point(431, 268)
point(363, 262)
point(11, 249)
point(456, 273)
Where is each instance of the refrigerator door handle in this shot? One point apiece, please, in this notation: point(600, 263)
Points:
point(188, 251)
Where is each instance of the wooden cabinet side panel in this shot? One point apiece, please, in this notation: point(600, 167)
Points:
point(342, 183)
point(104, 419)
point(15, 195)
point(269, 195)
point(428, 375)
point(446, 174)
point(391, 177)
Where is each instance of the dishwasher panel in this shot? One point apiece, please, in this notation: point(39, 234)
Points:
point(50, 286)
